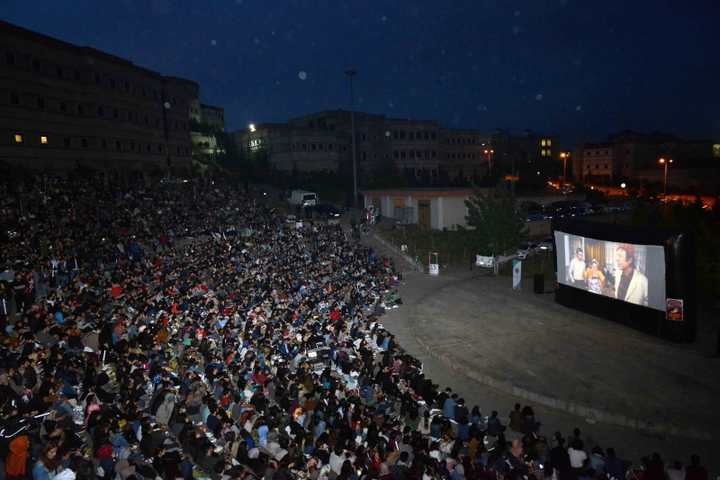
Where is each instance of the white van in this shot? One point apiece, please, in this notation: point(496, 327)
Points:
point(303, 198)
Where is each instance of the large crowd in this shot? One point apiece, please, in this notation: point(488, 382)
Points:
point(191, 330)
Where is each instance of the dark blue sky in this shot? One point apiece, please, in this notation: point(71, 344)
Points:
point(576, 68)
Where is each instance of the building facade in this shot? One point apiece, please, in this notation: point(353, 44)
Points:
point(465, 155)
point(206, 124)
point(63, 106)
point(429, 208)
point(533, 157)
point(420, 149)
point(632, 156)
point(598, 161)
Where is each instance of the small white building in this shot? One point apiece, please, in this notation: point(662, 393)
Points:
point(430, 208)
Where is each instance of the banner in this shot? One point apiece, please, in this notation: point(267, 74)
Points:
point(434, 269)
point(674, 309)
point(517, 273)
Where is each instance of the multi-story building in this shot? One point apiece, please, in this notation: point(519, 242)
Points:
point(323, 141)
point(466, 155)
point(206, 124)
point(532, 156)
point(634, 156)
point(597, 161)
point(64, 106)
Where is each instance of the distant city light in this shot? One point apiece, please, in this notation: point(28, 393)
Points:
point(623, 185)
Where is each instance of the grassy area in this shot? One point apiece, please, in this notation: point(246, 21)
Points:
point(451, 246)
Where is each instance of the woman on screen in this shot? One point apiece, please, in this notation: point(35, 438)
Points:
point(630, 285)
point(594, 278)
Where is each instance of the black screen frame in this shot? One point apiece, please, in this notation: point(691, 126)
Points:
point(679, 278)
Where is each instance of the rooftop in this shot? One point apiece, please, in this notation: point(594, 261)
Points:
point(10, 29)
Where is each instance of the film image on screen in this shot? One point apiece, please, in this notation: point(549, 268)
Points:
point(623, 271)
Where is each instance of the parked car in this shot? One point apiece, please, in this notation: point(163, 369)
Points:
point(525, 249)
point(534, 216)
point(546, 245)
point(326, 210)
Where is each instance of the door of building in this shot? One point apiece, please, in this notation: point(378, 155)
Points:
point(424, 214)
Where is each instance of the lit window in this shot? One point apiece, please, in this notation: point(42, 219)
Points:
point(542, 143)
point(549, 142)
point(43, 139)
point(18, 138)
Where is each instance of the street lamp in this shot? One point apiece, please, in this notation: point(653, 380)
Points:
point(489, 154)
point(351, 72)
point(564, 156)
point(665, 163)
point(251, 127)
point(623, 185)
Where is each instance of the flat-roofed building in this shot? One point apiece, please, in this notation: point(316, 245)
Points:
point(64, 106)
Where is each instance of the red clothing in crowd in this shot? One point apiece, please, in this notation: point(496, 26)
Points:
point(116, 291)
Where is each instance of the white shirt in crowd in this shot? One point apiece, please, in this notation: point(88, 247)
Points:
point(675, 474)
point(577, 457)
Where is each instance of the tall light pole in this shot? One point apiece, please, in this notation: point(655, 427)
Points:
point(351, 72)
point(564, 156)
point(665, 163)
point(489, 153)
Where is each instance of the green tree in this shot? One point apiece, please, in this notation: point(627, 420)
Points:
point(385, 174)
point(497, 225)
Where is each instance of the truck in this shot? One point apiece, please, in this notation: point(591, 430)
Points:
point(303, 198)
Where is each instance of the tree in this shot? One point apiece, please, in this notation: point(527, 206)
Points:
point(498, 225)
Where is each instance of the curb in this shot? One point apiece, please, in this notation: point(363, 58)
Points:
point(589, 413)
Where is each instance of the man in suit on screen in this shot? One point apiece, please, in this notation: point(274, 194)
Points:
point(630, 284)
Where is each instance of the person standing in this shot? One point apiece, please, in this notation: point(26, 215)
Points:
point(576, 269)
point(630, 284)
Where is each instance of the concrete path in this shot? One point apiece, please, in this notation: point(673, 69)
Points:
point(497, 347)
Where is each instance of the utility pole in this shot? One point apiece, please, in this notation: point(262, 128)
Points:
point(351, 72)
point(512, 176)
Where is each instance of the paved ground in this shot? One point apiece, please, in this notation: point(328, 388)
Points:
point(497, 347)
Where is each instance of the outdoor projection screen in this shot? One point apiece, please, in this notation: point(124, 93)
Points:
point(624, 271)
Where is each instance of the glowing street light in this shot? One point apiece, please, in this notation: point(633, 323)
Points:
point(489, 154)
point(623, 185)
point(251, 127)
point(564, 156)
point(665, 163)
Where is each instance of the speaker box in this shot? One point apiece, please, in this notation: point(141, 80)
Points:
point(539, 283)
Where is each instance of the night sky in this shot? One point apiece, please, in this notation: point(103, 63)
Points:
point(579, 69)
